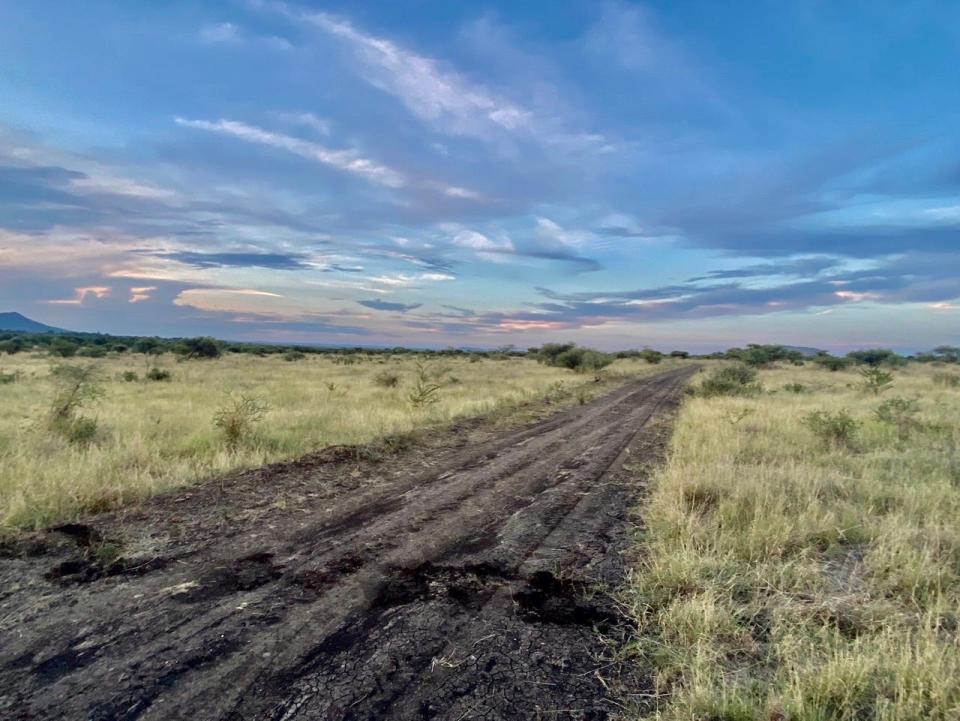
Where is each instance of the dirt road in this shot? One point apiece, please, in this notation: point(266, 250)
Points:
point(450, 581)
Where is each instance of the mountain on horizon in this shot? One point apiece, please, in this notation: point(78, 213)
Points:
point(18, 321)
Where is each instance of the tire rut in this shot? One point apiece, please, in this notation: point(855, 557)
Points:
point(464, 592)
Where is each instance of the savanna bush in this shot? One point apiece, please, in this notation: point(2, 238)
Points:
point(426, 384)
point(7, 378)
point(237, 417)
point(836, 428)
point(159, 374)
point(901, 413)
point(387, 379)
point(875, 380)
point(129, 376)
point(732, 380)
point(75, 387)
point(294, 355)
point(947, 380)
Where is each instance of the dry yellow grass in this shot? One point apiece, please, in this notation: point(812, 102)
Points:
point(786, 577)
point(155, 436)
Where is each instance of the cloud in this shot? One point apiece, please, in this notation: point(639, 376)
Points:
point(227, 33)
point(386, 305)
point(220, 33)
point(348, 161)
point(441, 96)
point(274, 261)
point(81, 294)
point(141, 293)
point(548, 241)
point(322, 126)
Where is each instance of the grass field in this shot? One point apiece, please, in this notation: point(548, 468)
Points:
point(153, 436)
point(786, 576)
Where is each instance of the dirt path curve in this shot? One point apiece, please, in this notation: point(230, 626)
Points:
point(450, 583)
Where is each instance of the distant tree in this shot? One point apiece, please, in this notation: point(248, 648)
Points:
point(679, 354)
point(12, 346)
point(756, 355)
point(64, 348)
point(651, 356)
point(148, 346)
point(876, 357)
point(946, 353)
point(830, 362)
point(204, 347)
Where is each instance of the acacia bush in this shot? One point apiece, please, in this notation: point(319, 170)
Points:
point(387, 379)
point(901, 413)
point(831, 362)
point(159, 374)
point(572, 356)
point(75, 387)
point(426, 384)
point(836, 428)
point(198, 348)
point(732, 380)
point(237, 416)
point(875, 380)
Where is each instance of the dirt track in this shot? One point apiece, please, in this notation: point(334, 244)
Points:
point(448, 582)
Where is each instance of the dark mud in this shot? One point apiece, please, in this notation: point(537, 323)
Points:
point(458, 579)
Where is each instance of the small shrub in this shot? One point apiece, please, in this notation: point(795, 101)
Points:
point(387, 379)
point(835, 428)
point(129, 376)
point(733, 380)
point(425, 387)
point(875, 380)
point(947, 380)
point(81, 431)
point(7, 378)
point(797, 388)
point(294, 355)
point(159, 374)
point(900, 413)
point(237, 417)
point(75, 387)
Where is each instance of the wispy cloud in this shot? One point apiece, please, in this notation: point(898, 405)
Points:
point(348, 161)
point(433, 93)
point(230, 33)
point(377, 304)
point(81, 294)
point(141, 293)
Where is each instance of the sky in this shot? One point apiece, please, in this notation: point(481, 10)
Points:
point(681, 175)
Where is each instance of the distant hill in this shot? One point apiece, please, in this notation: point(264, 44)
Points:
point(16, 321)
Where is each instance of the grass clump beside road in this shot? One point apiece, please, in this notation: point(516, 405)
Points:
point(86, 434)
point(801, 554)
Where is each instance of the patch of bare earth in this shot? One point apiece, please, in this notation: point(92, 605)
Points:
point(457, 579)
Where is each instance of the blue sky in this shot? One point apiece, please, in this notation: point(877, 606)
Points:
point(677, 174)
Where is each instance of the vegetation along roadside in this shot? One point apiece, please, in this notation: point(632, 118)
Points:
point(800, 553)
